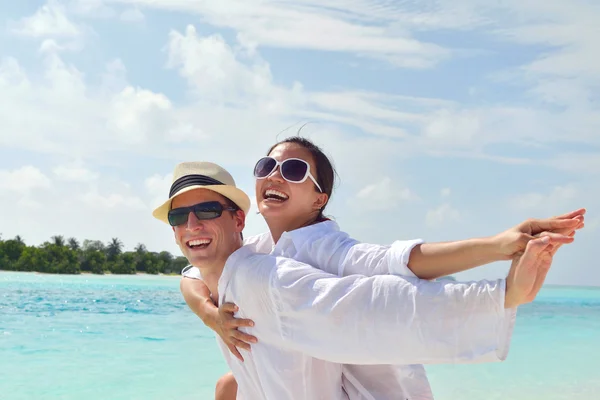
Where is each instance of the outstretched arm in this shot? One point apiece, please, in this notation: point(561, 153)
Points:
point(341, 255)
point(434, 260)
point(384, 319)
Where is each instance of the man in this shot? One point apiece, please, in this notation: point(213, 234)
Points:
point(310, 322)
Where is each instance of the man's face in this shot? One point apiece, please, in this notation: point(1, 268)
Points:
point(207, 243)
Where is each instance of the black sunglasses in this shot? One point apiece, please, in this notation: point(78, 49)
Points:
point(202, 211)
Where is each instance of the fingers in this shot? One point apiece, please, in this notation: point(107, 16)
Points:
point(540, 225)
point(545, 242)
point(240, 344)
point(555, 248)
point(543, 269)
point(235, 352)
point(572, 214)
point(228, 308)
point(567, 231)
point(234, 323)
point(573, 219)
point(244, 337)
point(534, 249)
point(558, 238)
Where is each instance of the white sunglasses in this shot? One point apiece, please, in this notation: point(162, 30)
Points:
point(294, 170)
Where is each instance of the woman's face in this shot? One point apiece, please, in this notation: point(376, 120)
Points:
point(287, 201)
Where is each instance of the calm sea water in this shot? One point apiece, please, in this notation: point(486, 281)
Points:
point(132, 337)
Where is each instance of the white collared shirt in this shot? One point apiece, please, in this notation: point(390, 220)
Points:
point(324, 246)
point(309, 322)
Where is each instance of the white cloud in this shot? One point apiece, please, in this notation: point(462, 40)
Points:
point(458, 129)
point(139, 115)
point(216, 73)
point(584, 163)
point(74, 173)
point(93, 198)
point(384, 194)
point(445, 192)
point(23, 180)
point(233, 87)
point(157, 186)
point(50, 20)
point(334, 28)
point(79, 119)
point(132, 15)
point(91, 8)
point(12, 75)
point(560, 197)
point(441, 215)
point(564, 75)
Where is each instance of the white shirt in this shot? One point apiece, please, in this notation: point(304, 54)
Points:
point(325, 247)
point(309, 322)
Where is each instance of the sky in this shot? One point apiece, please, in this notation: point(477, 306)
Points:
point(445, 120)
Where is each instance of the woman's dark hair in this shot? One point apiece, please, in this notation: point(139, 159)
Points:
point(325, 171)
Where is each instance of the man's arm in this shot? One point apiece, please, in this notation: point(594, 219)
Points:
point(382, 319)
point(197, 296)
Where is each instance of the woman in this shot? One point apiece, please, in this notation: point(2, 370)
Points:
point(294, 184)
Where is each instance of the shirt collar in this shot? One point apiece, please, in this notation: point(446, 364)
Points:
point(301, 235)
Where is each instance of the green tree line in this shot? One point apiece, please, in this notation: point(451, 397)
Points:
point(68, 256)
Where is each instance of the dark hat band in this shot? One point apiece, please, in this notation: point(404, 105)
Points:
point(192, 180)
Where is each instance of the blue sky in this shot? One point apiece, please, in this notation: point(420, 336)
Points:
point(445, 119)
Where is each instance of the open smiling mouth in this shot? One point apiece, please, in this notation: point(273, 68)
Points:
point(275, 195)
point(198, 243)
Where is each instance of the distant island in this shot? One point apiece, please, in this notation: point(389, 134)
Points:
point(68, 256)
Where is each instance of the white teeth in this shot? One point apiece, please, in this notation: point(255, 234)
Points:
point(198, 242)
point(271, 192)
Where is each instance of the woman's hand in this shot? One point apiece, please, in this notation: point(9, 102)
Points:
point(227, 328)
point(514, 241)
point(529, 269)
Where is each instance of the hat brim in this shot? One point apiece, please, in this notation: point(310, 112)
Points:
point(234, 194)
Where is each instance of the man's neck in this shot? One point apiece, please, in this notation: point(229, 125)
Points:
point(211, 275)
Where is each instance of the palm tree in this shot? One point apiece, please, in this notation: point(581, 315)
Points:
point(114, 248)
point(19, 239)
point(73, 244)
point(58, 240)
point(141, 248)
point(93, 245)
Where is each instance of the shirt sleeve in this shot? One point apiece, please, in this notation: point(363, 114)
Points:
point(339, 254)
point(372, 259)
point(384, 319)
point(191, 272)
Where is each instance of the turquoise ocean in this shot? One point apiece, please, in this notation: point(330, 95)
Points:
point(132, 337)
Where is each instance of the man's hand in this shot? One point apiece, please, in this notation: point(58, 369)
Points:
point(514, 240)
point(227, 328)
point(528, 270)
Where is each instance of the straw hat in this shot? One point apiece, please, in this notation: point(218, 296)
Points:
point(202, 175)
